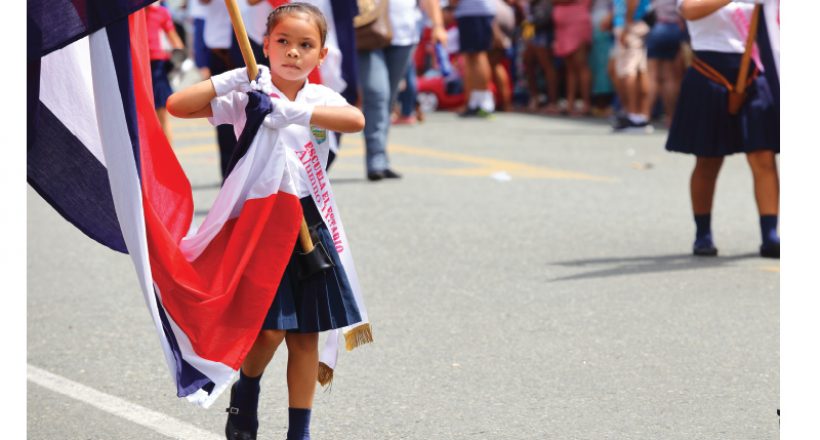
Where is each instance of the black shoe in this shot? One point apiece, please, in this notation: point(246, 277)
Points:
point(623, 124)
point(771, 250)
point(704, 250)
point(232, 432)
point(375, 176)
point(470, 112)
point(390, 174)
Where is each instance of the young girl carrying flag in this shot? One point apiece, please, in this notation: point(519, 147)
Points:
point(302, 113)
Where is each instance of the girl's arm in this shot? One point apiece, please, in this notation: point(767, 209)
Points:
point(697, 9)
point(345, 119)
point(195, 101)
point(192, 102)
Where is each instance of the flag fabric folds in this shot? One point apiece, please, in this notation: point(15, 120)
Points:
point(97, 154)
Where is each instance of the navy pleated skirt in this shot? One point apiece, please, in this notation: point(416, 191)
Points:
point(702, 124)
point(159, 77)
point(322, 302)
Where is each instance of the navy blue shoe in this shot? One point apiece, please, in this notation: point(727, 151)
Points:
point(770, 250)
point(704, 248)
point(231, 431)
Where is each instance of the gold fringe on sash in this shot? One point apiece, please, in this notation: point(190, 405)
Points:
point(325, 374)
point(358, 336)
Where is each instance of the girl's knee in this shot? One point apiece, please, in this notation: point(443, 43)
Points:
point(761, 160)
point(270, 337)
point(302, 342)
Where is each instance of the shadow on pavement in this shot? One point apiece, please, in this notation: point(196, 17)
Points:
point(647, 264)
point(215, 185)
point(344, 180)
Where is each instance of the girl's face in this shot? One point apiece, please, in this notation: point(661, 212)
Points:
point(294, 48)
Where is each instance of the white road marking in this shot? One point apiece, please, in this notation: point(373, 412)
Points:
point(132, 412)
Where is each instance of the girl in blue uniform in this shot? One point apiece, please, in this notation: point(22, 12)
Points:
point(295, 44)
point(703, 126)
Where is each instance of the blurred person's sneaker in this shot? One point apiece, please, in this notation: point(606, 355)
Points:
point(390, 174)
point(623, 124)
point(619, 123)
point(375, 176)
point(476, 113)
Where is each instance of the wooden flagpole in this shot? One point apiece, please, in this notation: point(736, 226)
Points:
point(253, 70)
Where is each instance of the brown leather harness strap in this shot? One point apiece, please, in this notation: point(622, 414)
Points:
point(715, 76)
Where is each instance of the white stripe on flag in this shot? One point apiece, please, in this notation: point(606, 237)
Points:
point(132, 412)
point(65, 89)
point(122, 174)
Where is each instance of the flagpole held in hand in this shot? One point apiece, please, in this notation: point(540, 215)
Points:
point(314, 258)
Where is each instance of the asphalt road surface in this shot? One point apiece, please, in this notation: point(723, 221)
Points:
point(528, 278)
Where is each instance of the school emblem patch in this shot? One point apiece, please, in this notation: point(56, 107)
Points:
point(320, 134)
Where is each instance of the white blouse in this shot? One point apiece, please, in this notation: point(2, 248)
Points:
point(724, 30)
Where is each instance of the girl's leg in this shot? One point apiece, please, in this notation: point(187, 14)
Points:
point(767, 182)
point(702, 188)
point(303, 369)
point(245, 392)
point(767, 195)
point(702, 184)
point(262, 352)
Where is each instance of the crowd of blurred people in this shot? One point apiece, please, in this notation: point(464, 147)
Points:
point(621, 59)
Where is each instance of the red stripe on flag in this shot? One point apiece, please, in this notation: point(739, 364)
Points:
point(164, 182)
point(220, 300)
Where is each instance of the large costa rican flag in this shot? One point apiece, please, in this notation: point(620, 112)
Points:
point(97, 154)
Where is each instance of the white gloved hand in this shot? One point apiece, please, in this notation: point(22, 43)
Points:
point(287, 112)
point(263, 81)
point(227, 82)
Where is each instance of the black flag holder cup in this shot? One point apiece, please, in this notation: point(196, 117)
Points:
point(314, 257)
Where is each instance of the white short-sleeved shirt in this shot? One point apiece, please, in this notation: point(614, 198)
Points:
point(197, 9)
point(230, 109)
point(723, 30)
point(256, 19)
point(404, 17)
point(218, 28)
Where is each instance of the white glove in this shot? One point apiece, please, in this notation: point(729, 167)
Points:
point(287, 112)
point(237, 79)
point(262, 82)
point(754, 2)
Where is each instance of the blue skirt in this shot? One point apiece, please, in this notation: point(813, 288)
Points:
point(322, 302)
point(702, 124)
point(159, 77)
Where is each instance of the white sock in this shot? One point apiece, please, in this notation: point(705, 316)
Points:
point(487, 101)
point(637, 118)
point(475, 99)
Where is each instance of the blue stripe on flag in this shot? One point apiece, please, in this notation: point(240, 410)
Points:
point(188, 378)
point(72, 180)
point(258, 107)
point(62, 22)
